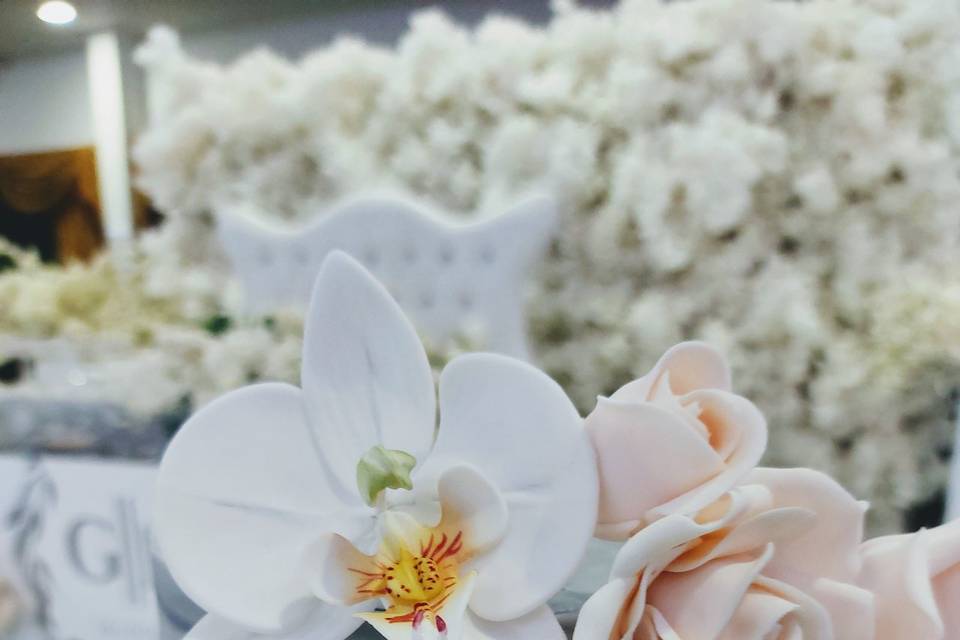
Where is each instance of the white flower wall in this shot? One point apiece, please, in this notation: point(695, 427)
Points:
point(779, 178)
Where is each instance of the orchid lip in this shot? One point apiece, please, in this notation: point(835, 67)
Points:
point(419, 582)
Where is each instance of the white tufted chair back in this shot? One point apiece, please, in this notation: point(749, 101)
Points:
point(451, 279)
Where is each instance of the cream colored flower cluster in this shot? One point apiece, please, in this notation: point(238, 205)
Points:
point(120, 330)
point(778, 178)
point(141, 330)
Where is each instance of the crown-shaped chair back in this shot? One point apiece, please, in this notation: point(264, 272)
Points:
point(451, 279)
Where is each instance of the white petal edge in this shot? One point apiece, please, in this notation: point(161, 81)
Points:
point(241, 492)
point(454, 613)
point(539, 624)
point(516, 425)
point(471, 503)
point(321, 623)
point(692, 365)
point(365, 374)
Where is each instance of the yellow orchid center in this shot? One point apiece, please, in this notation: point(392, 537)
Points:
point(416, 582)
point(414, 579)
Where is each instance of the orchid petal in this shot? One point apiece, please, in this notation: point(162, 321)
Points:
point(540, 624)
point(515, 423)
point(690, 365)
point(366, 378)
point(231, 524)
point(453, 612)
point(321, 623)
point(471, 504)
point(339, 569)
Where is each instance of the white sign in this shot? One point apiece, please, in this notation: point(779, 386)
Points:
point(75, 537)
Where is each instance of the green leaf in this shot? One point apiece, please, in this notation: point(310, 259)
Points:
point(380, 469)
point(218, 325)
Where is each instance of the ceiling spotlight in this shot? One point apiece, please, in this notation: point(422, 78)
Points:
point(57, 12)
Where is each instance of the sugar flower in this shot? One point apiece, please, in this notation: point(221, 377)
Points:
point(673, 441)
point(822, 560)
point(916, 581)
point(691, 578)
point(774, 558)
point(13, 593)
point(285, 512)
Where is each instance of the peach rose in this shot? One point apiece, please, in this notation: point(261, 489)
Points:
point(12, 603)
point(823, 561)
point(701, 578)
point(10, 607)
point(673, 441)
point(916, 581)
point(776, 557)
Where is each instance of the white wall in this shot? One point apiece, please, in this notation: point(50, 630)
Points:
point(44, 104)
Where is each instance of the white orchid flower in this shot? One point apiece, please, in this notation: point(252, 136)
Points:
point(294, 514)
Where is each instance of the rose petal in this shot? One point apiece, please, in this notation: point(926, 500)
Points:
point(539, 624)
point(231, 523)
point(946, 589)
point(641, 560)
point(811, 618)
point(365, 376)
point(601, 612)
point(943, 546)
point(691, 365)
point(830, 548)
point(657, 545)
point(726, 416)
point(321, 623)
point(896, 571)
point(758, 614)
point(515, 423)
point(752, 534)
point(700, 603)
point(647, 457)
point(851, 608)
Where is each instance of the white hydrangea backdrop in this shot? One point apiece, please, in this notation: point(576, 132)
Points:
point(778, 178)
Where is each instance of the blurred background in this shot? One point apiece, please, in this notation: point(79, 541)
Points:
point(780, 179)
